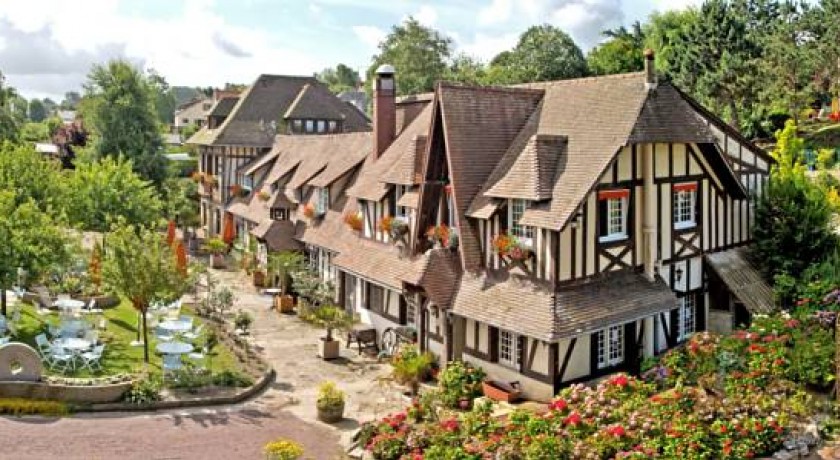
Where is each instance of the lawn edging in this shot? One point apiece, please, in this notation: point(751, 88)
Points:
point(71, 394)
point(266, 379)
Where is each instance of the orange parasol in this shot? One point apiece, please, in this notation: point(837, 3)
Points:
point(170, 232)
point(228, 229)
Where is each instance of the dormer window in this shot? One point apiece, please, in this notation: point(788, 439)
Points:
point(612, 215)
point(523, 233)
point(323, 200)
point(685, 202)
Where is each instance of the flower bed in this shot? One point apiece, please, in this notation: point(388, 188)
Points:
point(733, 397)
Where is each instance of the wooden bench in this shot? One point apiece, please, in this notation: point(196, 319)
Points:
point(364, 337)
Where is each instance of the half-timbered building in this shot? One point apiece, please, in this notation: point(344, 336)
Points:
point(548, 232)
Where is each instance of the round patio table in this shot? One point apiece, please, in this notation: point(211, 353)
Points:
point(176, 326)
point(174, 348)
point(272, 291)
point(72, 344)
point(69, 304)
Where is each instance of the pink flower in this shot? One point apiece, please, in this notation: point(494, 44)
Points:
point(573, 419)
point(558, 405)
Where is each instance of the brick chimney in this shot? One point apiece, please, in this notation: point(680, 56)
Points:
point(384, 108)
point(650, 70)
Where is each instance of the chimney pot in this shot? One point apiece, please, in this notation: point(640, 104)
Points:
point(650, 70)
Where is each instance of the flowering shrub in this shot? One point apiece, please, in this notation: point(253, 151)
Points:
point(834, 116)
point(354, 221)
point(458, 382)
point(283, 449)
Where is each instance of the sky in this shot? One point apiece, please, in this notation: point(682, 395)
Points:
point(48, 46)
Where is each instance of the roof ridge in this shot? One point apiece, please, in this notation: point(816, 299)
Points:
point(490, 88)
point(569, 81)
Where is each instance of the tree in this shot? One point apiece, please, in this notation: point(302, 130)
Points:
point(418, 53)
point(466, 69)
point(283, 265)
point(141, 267)
point(121, 112)
point(37, 112)
point(793, 218)
point(543, 53)
point(8, 121)
point(341, 78)
point(107, 191)
point(164, 98)
point(181, 202)
point(32, 241)
point(664, 34)
point(32, 177)
point(622, 53)
point(71, 100)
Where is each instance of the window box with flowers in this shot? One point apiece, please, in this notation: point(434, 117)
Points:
point(309, 211)
point(263, 195)
point(236, 190)
point(395, 227)
point(197, 177)
point(512, 248)
point(443, 236)
point(354, 221)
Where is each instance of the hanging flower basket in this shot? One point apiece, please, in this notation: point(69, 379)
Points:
point(210, 180)
point(399, 227)
point(443, 236)
point(510, 247)
point(448, 189)
point(354, 221)
point(386, 224)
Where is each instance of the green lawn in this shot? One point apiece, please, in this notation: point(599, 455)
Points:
point(120, 356)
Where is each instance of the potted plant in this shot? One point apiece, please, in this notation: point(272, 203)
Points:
point(410, 367)
point(510, 247)
point(330, 403)
point(282, 449)
point(217, 248)
point(438, 235)
point(399, 227)
point(330, 317)
point(282, 266)
point(243, 321)
point(309, 211)
point(354, 221)
point(501, 391)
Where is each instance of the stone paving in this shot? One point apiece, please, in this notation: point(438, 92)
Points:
point(291, 347)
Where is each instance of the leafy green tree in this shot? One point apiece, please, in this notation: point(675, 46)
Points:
point(34, 132)
point(419, 54)
point(32, 241)
point(164, 98)
point(37, 111)
point(103, 192)
point(121, 110)
point(71, 100)
point(181, 202)
point(8, 121)
point(32, 177)
point(141, 267)
point(664, 34)
point(793, 217)
point(616, 55)
point(466, 69)
point(341, 78)
point(543, 53)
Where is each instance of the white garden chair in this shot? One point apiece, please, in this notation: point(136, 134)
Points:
point(91, 308)
point(92, 360)
point(171, 363)
point(195, 333)
point(62, 360)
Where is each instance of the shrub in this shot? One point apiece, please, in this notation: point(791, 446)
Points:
point(410, 367)
point(282, 449)
point(228, 378)
point(143, 391)
point(18, 406)
point(243, 320)
point(329, 396)
point(190, 379)
point(459, 381)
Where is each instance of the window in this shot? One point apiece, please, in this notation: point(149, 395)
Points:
point(322, 126)
point(612, 214)
point(310, 126)
point(686, 319)
point(524, 233)
point(279, 214)
point(610, 346)
point(323, 202)
point(297, 126)
point(185, 121)
point(685, 196)
point(509, 349)
point(333, 126)
point(410, 311)
point(400, 190)
point(376, 298)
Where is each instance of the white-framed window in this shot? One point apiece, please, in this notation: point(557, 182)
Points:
point(610, 342)
point(322, 126)
point(333, 126)
point(524, 233)
point(685, 201)
point(410, 311)
point(509, 349)
point(401, 211)
point(686, 317)
point(612, 214)
point(323, 202)
point(310, 126)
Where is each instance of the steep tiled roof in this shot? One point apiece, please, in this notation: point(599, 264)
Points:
point(223, 107)
point(370, 185)
point(406, 169)
point(409, 199)
point(535, 309)
point(529, 174)
point(322, 157)
point(479, 126)
point(314, 102)
point(260, 109)
point(743, 280)
point(252, 208)
point(278, 235)
point(257, 163)
point(439, 276)
point(379, 262)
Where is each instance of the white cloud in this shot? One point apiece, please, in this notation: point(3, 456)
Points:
point(664, 5)
point(426, 15)
point(370, 35)
point(486, 47)
point(497, 12)
point(315, 8)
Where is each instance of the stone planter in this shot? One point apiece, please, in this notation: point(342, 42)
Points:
point(328, 349)
point(331, 414)
point(217, 261)
point(284, 304)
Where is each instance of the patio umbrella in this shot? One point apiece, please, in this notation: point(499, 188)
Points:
point(181, 257)
point(228, 229)
point(170, 232)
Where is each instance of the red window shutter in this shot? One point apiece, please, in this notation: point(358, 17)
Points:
point(613, 194)
point(690, 187)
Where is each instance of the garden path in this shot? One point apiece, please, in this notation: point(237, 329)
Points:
point(291, 347)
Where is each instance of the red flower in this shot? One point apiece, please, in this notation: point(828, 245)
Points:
point(723, 429)
point(617, 431)
point(573, 419)
point(620, 381)
point(450, 425)
point(558, 405)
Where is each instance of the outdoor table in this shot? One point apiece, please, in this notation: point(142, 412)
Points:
point(176, 326)
point(272, 291)
point(174, 348)
point(69, 304)
point(73, 327)
point(73, 344)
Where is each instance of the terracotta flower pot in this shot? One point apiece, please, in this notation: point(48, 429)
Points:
point(331, 414)
point(500, 392)
point(284, 303)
